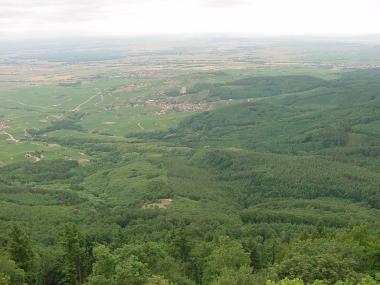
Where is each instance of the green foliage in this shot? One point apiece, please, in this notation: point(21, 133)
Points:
point(231, 277)
point(227, 255)
point(287, 281)
point(68, 122)
point(21, 252)
point(131, 271)
point(10, 273)
point(279, 183)
point(158, 280)
point(47, 170)
point(116, 269)
point(319, 259)
point(264, 86)
point(74, 256)
point(103, 270)
point(367, 280)
point(4, 279)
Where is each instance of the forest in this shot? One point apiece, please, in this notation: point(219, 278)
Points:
point(276, 182)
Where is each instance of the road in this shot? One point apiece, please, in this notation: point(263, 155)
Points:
point(77, 108)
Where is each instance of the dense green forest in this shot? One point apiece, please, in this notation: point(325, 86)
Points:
point(277, 185)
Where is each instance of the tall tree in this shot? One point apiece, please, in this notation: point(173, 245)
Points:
point(72, 256)
point(227, 255)
point(103, 271)
point(181, 244)
point(131, 272)
point(21, 251)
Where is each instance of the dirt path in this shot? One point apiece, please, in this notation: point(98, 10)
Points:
point(77, 108)
point(8, 136)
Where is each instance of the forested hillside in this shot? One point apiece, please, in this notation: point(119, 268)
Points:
point(239, 176)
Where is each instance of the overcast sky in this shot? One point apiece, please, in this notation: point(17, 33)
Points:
point(57, 18)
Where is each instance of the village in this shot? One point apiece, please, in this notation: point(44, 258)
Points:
point(183, 107)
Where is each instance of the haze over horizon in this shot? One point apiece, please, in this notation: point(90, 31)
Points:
point(58, 18)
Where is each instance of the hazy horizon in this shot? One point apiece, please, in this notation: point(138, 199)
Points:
point(22, 19)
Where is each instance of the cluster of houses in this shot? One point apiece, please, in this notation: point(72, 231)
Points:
point(173, 106)
point(187, 107)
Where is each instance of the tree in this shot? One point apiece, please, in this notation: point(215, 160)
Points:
point(4, 279)
point(72, 256)
point(50, 266)
point(103, 271)
point(319, 259)
point(132, 272)
point(181, 244)
point(227, 255)
point(20, 248)
point(21, 251)
point(10, 272)
point(361, 235)
point(256, 252)
point(368, 280)
point(150, 253)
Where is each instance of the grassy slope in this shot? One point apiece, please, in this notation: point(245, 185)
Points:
point(278, 155)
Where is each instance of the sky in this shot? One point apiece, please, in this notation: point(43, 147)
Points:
point(70, 18)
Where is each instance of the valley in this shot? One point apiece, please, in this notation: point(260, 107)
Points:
point(169, 158)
